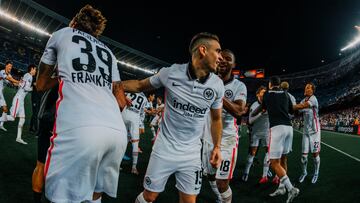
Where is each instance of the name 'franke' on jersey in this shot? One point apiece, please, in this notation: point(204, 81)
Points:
point(86, 77)
point(189, 109)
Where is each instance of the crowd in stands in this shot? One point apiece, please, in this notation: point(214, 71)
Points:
point(347, 117)
point(21, 53)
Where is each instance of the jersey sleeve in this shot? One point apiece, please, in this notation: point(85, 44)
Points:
point(217, 104)
point(49, 56)
point(241, 92)
point(160, 79)
point(2, 74)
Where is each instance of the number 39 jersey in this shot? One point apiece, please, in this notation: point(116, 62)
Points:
point(86, 68)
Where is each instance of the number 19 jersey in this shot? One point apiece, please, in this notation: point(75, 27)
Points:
point(86, 68)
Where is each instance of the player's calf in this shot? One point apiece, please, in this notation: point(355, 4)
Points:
point(38, 181)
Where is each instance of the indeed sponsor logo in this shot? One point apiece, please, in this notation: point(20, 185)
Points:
point(189, 109)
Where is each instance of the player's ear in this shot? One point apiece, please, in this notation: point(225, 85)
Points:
point(202, 50)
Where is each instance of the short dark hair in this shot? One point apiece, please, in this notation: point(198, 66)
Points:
point(89, 20)
point(312, 86)
point(8, 62)
point(229, 51)
point(30, 67)
point(201, 38)
point(160, 97)
point(275, 80)
point(260, 89)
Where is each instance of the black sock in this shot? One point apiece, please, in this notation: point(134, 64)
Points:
point(37, 197)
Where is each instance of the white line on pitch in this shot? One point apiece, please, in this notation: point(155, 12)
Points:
point(338, 150)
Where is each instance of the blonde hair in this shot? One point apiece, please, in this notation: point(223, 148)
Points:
point(89, 20)
point(284, 85)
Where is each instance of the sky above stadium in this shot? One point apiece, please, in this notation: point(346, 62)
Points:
point(280, 37)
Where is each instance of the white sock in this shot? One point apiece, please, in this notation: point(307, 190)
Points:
point(140, 199)
point(20, 126)
point(304, 161)
point(226, 196)
point(316, 164)
point(153, 131)
point(250, 160)
point(215, 189)
point(266, 165)
point(286, 181)
point(135, 153)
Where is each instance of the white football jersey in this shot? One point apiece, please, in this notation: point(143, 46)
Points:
point(24, 86)
point(187, 105)
point(86, 68)
point(234, 90)
point(142, 111)
point(311, 116)
point(260, 123)
point(3, 80)
point(137, 105)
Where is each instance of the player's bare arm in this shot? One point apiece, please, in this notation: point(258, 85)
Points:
point(216, 133)
point(119, 93)
point(135, 86)
point(12, 80)
point(301, 106)
point(44, 78)
point(236, 108)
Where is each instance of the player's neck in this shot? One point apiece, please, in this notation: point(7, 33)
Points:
point(226, 77)
point(199, 71)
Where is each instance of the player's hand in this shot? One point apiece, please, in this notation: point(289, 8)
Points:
point(215, 159)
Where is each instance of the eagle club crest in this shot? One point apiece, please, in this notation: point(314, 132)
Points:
point(208, 94)
point(228, 94)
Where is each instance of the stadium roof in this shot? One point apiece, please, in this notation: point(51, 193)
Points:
point(135, 63)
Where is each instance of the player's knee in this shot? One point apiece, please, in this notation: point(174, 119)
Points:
point(186, 198)
point(304, 158)
point(274, 162)
point(222, 185)
point(253, 151)
point(21, 122)
point(150, 196)
point(316, 154)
